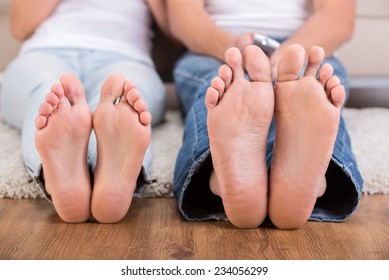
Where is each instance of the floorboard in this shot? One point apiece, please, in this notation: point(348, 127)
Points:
point(154, 229)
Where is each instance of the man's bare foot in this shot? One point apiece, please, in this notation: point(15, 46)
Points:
point(307, 113)
point(62, 135)
point(239, 116)
point(123, 135)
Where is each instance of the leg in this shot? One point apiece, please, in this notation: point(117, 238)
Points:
point(307, 113)
point(123, 135)
point(192, 76)
point(20, 101)
point(239, 116)
point(62, 141)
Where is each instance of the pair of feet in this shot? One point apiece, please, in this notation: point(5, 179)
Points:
point(306, 112)
point(121, 123)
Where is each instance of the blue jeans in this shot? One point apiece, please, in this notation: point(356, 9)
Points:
point(192, 75)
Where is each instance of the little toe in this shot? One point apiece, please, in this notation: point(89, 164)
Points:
point(40, 121)
point(113, 88)
point(291, 63)
point(257, 64)
point(234, 60)
point(145, 118)
point(315, 58)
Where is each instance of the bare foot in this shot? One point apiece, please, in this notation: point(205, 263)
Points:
point(307, 113)
point(62, 137)
point(239, 116)
point(123, 135)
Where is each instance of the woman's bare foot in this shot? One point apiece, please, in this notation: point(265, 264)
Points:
point(62, 135)
point(123, 135)
point(239, 116)
point(307, 113)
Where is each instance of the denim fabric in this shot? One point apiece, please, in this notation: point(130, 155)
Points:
point(192, 76)
point(28, 79)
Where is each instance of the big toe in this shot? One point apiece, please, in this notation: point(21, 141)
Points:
point(291, 63)
point(113, 88)
point(257, 64)
point(73, 89)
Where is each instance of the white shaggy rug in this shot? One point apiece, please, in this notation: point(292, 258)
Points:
point(368, 128)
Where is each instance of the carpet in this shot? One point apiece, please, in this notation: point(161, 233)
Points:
point(368, 128)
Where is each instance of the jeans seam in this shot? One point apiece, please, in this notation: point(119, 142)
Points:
point(196, 135)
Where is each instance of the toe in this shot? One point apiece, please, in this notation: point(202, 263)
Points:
point(225, 73)
point(73, 89)
point(140, 105)
point(338, 96)
point(58, 90)
point(257, 64)
point(215, 92)
point(332, 82)
point(145, 118)
point(218, 84)
point(52, 99)
point(113, 88)
point(134, 99)
point(132, 96)
point(45, 109)
point(325, 73)
point(40, 121)
point(234, 60)
point(315, 58)
point(211, 98)
point(291, 63)
point(129, 85)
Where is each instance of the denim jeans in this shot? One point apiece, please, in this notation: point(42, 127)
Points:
point(192, 76)
point(28, 79)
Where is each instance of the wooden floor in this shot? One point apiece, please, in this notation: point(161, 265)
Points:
point(153, 229)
